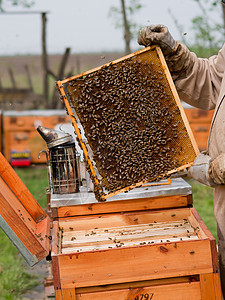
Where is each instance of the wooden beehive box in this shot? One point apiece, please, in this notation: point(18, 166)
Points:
point(125, 249)
point(200, 122)
point(155, 254)
point(133, 120)
point(21, 137)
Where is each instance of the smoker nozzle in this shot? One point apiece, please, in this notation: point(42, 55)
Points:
point(54, 137)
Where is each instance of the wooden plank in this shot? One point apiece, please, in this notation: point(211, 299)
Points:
point(14, 203)
point(138, 284)
point(12, 78)
point(182, 291)
point(217, 286)
point(196, 219)
point(55, 236)
point(29, 77)
point(202, 229)
point(43, 233)
point(77, 131)
point(135, 263)
point(119, 244)
point(66, 294)
point(210, 286)
point(177, 99)
point(123, 219)
point(56, 274)
point(20, 190)
point(207, 287)
point(58, 295)
point(77, 241)
point(127, 232)
point(124, 205)
point(33, 238)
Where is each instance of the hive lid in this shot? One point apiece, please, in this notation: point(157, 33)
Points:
point(133, 120)
point(21, 217)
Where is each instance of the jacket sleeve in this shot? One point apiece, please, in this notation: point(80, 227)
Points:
point(198, 80)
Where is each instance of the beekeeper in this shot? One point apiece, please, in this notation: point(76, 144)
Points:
point(201, 83)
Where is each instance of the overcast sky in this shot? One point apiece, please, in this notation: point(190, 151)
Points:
point(84, 25)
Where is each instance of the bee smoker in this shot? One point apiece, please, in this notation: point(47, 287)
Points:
point(63, 166)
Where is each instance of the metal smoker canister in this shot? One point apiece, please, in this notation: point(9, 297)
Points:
point(63, 177)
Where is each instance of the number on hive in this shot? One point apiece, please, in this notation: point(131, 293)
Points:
point(144, 297)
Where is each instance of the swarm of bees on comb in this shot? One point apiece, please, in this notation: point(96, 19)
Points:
point(131, 121)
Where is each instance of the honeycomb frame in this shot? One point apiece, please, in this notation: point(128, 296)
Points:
point(164, 80)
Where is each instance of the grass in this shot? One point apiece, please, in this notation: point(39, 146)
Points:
point(14, 278)
point(36, 180)
point(203, 202)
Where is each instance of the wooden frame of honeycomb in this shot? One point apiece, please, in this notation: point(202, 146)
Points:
point(133, 120)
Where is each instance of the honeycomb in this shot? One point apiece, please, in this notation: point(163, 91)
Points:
point(131, 121)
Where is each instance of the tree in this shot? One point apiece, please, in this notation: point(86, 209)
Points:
point(208, 32)
point(123, 18)
point(23, 3)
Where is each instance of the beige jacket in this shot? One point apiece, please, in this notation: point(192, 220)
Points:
point(201, 83)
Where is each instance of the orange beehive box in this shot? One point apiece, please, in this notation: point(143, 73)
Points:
point(20, 135)
point(148, 254)
point(200, 122)
point(114, 249)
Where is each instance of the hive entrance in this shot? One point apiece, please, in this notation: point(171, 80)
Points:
point(131, 119)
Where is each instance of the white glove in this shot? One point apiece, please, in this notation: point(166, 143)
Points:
point(200, 170)
point(217, 169)
point(157, 35)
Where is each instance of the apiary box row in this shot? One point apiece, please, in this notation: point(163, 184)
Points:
point(21, 139)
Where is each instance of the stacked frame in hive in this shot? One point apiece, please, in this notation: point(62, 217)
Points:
point(132, 119)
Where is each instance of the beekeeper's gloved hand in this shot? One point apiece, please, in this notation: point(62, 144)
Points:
point(217, 169)
point(179, 59)
point(157, 35)
point(200, 170)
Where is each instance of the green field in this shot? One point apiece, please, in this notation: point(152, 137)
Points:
point(203, 202)
point(14, 279)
